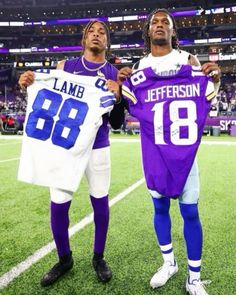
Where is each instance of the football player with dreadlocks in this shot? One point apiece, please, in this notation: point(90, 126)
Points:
point(163, 55)
point(92, 62)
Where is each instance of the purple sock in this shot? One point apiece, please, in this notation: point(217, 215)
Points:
point(192, 233)
point(162, 221)
point(60, 226)
point(101, 221)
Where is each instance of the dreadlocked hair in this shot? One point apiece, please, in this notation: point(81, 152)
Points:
point(146, 38)
point(85, 33)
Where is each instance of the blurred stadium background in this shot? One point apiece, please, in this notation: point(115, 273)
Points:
point(38, 33)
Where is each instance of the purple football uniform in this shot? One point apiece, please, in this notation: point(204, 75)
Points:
point(172, 110)
point(81, 66)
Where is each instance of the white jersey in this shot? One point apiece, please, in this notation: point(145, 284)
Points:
point(63, 115)
point(166, 65)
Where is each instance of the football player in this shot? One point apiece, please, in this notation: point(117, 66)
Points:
point(163, 55)
point(92, 62)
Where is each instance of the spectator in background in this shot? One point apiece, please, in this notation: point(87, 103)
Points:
point(229, 128)
point(233, 103)
point(93, 62)
point(1, 124)
point(1, 106)
point(214, 107)
point(10, 122)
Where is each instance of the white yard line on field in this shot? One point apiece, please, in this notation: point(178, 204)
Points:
point(11, 137)
point(219, 142)
point(9, 160)
point(39, 254)
point(10, 143)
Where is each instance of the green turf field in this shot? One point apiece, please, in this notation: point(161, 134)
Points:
point(132, 250)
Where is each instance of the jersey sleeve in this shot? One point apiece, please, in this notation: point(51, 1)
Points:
point(117, 115)
point(127, 91)
point(210, 90)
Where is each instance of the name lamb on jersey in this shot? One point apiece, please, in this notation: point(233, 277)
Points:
point(69, 88)
point(173, 91)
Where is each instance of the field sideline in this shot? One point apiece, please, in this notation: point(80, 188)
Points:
point(131, 249)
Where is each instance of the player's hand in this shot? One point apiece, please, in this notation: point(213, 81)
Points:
point(124, 73)
point(212, 69)
point(26, 79)
point(114, 87)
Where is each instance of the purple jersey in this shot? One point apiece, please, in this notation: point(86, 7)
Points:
point(81, 66)
point(172, 111)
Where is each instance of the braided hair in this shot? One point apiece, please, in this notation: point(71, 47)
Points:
point(146, 37)
point(85, 33)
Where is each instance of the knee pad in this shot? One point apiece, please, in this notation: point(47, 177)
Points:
point(189, 211)
point(161, 205)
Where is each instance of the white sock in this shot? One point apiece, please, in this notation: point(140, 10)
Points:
point(193, 275)
point(168, 256)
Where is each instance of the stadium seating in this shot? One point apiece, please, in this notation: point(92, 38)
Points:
point(207, 27)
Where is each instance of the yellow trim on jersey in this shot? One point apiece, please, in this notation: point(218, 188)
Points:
point(129, 95)
point(211, 95)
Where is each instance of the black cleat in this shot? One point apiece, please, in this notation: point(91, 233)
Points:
point(59, 269)
point(102, 269)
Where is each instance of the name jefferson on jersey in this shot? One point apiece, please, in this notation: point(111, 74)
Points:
point(173, 91)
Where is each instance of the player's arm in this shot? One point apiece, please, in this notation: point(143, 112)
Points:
point(193, 60)
point(212, 69)
point(117, 115)
point(26, 79)
point(60, 65)
point(123, 74)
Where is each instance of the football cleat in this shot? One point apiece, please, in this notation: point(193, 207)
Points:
point(163, 274)
point(196, 287)
point(102, 270)
point(59, 269)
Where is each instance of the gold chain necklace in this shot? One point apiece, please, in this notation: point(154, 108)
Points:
point(92, 70)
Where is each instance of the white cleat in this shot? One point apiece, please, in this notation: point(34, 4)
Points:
point(196, 287)
point(163, 274)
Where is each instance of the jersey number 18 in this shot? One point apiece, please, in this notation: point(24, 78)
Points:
point(176, 122)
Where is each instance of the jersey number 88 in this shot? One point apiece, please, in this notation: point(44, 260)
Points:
point(40, 123)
